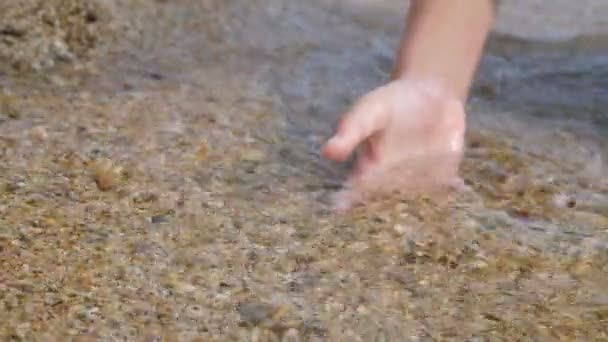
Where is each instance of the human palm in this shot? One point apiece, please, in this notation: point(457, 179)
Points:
point(410, 136)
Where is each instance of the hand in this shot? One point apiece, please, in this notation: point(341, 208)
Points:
point(411, 134)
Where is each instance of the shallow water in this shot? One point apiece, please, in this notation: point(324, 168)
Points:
point(173, 190)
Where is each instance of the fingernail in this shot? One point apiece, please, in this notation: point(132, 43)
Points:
point(335, 140)
point(331, 147)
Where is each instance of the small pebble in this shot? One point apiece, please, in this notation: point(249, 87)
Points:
point(292, 335)
point(156, 219)
point(202, 152)
point(400, 229)
point(252, 155)
point(106, 176)
point(58, 81)
point(479, 264)
point(39, 133)
point(359, 246)
point(254, 312)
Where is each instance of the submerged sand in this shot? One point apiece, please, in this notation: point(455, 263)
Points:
point(164, 184)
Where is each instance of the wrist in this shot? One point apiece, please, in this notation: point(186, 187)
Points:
point(433, 83)
point(443, 40)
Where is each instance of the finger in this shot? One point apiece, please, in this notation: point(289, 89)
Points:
point(365, 118)
point(365, 160)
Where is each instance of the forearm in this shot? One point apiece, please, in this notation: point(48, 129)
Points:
point(444, 40)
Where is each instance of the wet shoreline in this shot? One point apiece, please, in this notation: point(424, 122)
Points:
point(172, 191)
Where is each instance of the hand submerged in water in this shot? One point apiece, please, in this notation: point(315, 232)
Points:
point(410, 132)
point(411, 137)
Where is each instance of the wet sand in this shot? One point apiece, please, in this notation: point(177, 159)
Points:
point(171, 188)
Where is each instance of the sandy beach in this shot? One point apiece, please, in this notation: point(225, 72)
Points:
point(160, 178)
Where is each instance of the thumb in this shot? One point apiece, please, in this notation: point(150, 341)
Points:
point(366, 117)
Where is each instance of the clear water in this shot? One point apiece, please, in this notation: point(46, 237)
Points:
point(217, 111)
